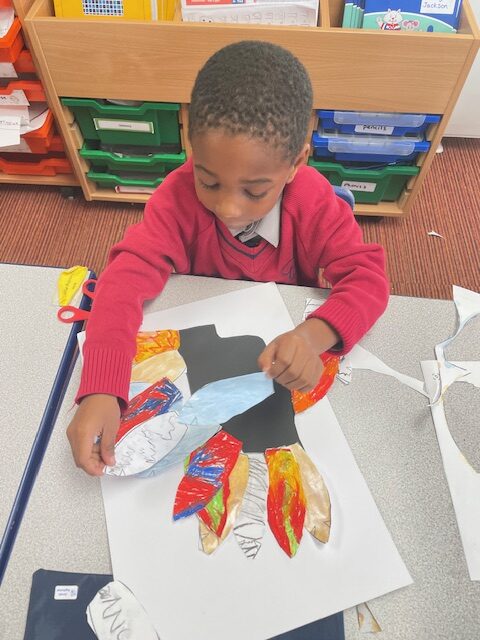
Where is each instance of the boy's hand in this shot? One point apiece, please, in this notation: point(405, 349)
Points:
point(293, 358)
point(98, 416)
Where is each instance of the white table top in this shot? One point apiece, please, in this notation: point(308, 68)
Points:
point(390, 431)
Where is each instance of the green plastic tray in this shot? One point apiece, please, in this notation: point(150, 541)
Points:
point(105, 161)
point(151, 123)
point(111, 180)
point(368, 185)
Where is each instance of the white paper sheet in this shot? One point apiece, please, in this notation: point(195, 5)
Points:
point(9, 130)
point(463, 480)
point(472, 372)
point(211, 597)
point(467, 304)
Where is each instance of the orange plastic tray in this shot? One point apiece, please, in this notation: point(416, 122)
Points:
point(40, 140)
point(32, 88)
point(24, 62)
point(34, 167)
point(5, 4)
point(12, 43)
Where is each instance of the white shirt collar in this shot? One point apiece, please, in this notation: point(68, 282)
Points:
point(268, 227)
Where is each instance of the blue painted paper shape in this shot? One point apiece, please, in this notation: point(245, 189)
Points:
point(217, 402)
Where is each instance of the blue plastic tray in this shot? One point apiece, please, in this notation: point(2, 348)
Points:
point(369, 123)
point(380, 149)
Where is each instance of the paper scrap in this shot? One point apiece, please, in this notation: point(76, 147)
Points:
point(212, 531)
point(16, 98)
point(434, 234)
point(360, 358)
point(345, 370)
point(471, 372)
point(7, 70)
point(221, 400)
point(146, 444)
point(169, 364)
point(7, 16)
point(467, 304)
point(367, 622)
point(207, 469)
point(157, 399)
point(317, 498)
point(463, 480)
point(151, 343)
point(250, 525)
point(69, 283)
point(302, 401)
point(286, 499)
point(115, 613)
point(9, 130)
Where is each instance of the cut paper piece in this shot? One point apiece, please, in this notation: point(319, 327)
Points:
point(311, 305)
point(237, 484)
point(367, 622)
point(250, 525)
point(285, 500)
point(463, 480)
point(467, 304)
point(69, 282)
point(302, 401)
point(136, 388)
point(9, 129)
point(471, 372)
point(147, 443)
point(193, 438)
point(115, 613)
point(207, 469)
point(7, 15)
point(151, 343)
point(155, 400)
point(169, 365)
point(317, 498)
point(221, 400)
point(360, 358)
point(434, 234)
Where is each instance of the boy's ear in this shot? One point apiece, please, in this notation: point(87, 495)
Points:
point(302, 158)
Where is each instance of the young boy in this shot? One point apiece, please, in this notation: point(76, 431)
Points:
point(245, 206)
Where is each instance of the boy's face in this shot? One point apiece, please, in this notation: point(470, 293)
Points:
point(239, 179)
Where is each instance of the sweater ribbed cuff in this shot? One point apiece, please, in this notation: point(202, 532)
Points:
point(105, 371)
point(345, 322)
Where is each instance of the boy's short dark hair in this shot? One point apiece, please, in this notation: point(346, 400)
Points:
point(257, 89)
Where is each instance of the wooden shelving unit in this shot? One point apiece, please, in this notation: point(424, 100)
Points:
point(350, 69)
point(21, 8)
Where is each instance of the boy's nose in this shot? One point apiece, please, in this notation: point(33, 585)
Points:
point(228, 210)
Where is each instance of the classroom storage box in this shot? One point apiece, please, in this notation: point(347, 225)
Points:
point(25, 164)
point(127, 180)
point(149, 124)
point(109, 161)
point(378, 149)
point(368, 185)
point(370, 123)
point(32, 89)
point(12, 43)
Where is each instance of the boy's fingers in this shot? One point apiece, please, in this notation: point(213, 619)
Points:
point(283, 358)
point(266, 358)
point(82, 449)
point(107, 444)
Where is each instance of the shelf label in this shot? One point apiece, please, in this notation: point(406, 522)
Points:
point(66, 592)
point(353, 185)
point(105, 124)
point(438, 6)
point(377, 129)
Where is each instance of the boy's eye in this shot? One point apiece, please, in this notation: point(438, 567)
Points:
point(209, 186)
point(255, 196)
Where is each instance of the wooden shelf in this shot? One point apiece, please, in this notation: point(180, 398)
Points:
point(60, 180)
point(350, 69)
